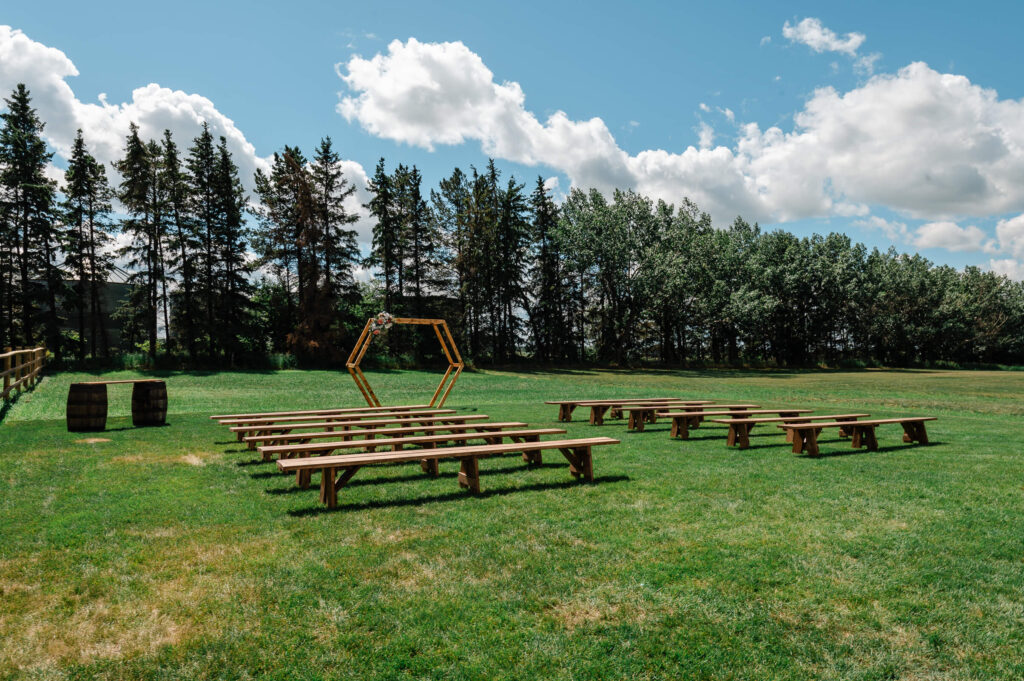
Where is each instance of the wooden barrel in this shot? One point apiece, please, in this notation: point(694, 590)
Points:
point(87, 407)
point(149, 403)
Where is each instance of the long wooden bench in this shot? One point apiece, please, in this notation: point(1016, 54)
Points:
point(598, 409)
point(805, 435)
point(577, 451)
point(739, 429)
point(318, 412)
point(284, 429)
point(566, 407)
point(398, 444)
point(683, 421)
point(335, 417)
point(639, 414)
point(303, 438)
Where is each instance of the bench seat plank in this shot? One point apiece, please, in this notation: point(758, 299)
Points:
point(577, 451)
point(399, 443)
point(805, 435)
point(354, 416)
point(683, 421)
point(566, 407)
point(314, 412)
point(303, 438)
point(284, 429)
point(739, 429)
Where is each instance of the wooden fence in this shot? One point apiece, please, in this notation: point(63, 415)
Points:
point(22, 367)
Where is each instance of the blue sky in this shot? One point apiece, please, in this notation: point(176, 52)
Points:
point(927, 158)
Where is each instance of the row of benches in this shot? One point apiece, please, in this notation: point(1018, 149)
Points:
point(366, 430)
point(801, 428)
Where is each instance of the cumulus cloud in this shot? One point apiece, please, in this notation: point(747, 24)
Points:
point(1010, 234)
point(812, 33)
point(1014, 269)
point(922, 143)
point(46, 70)
point(949, 235)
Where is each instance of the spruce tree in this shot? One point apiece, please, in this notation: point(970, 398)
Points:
point(203, 209)
point(29, 208)
point(139, 194)
point(232, 274)
point(385, 250)
point(182, 245)
point(86, 210)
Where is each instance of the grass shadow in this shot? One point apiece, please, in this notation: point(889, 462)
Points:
point(453, 496)
point(902, 447)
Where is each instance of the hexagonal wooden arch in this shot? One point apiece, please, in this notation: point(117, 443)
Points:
point(447, 346)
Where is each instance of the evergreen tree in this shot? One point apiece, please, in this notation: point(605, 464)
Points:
point(201, 177)
point(546, 286)
point(140, 195)
point(86, 210)
point(385, 253)
point(183, 245)
point(232, 275)
point(28, 209)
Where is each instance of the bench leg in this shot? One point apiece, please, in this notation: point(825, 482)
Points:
point(615, 413)
point(652, 416)
point(811, 442)
point(328, 492)
point(581, 463)
point(730, 439)
point(533, 458)
point(565, 412)
point(922, 434)
point(429, 466)
point(469, 474)
point(796, 436)
point(302, 478)
point(597, 415)
point(680, 427)
point(744, 434)
point(868, 438)
point(844, 431)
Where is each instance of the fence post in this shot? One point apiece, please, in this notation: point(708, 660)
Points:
point(7, 367)
point(17, 367)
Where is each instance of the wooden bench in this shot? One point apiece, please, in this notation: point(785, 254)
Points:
point(370, 433)
point(335, 417)
point(597, 410)
point(683, 421)
point(566, 407)
point(805, 435)
point(285, 428)
point(317, 412)
point(739, 429)
point(398, 444)
point(642, 413)
point(577, 451)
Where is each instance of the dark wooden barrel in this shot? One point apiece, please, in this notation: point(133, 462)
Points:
point(87, 407)
point(149, 403)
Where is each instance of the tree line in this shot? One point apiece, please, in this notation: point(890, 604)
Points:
point(217, 276)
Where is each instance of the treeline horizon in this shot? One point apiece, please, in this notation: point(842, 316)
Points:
point(616, 281)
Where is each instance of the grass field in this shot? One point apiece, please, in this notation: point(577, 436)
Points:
point(172, 553)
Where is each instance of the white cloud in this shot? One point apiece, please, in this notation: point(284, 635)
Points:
point(706, 135)
point(1010, 234)
point(765, 40)
point(950, 236)
point(895, 231)
point(865, 65)
point(1014, 269)
point(46, 71)
point(812, 33)
point(919, 142)
point(704, 107)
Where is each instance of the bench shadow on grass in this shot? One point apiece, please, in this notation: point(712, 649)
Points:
point(361, 482)
point(454, 496)
point(832, 453)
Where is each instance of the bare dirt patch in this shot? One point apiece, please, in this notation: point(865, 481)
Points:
point(92, 440)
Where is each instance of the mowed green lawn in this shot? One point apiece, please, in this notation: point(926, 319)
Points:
point(173, 553)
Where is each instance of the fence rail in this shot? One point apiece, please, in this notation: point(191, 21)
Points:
point(22, 367)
